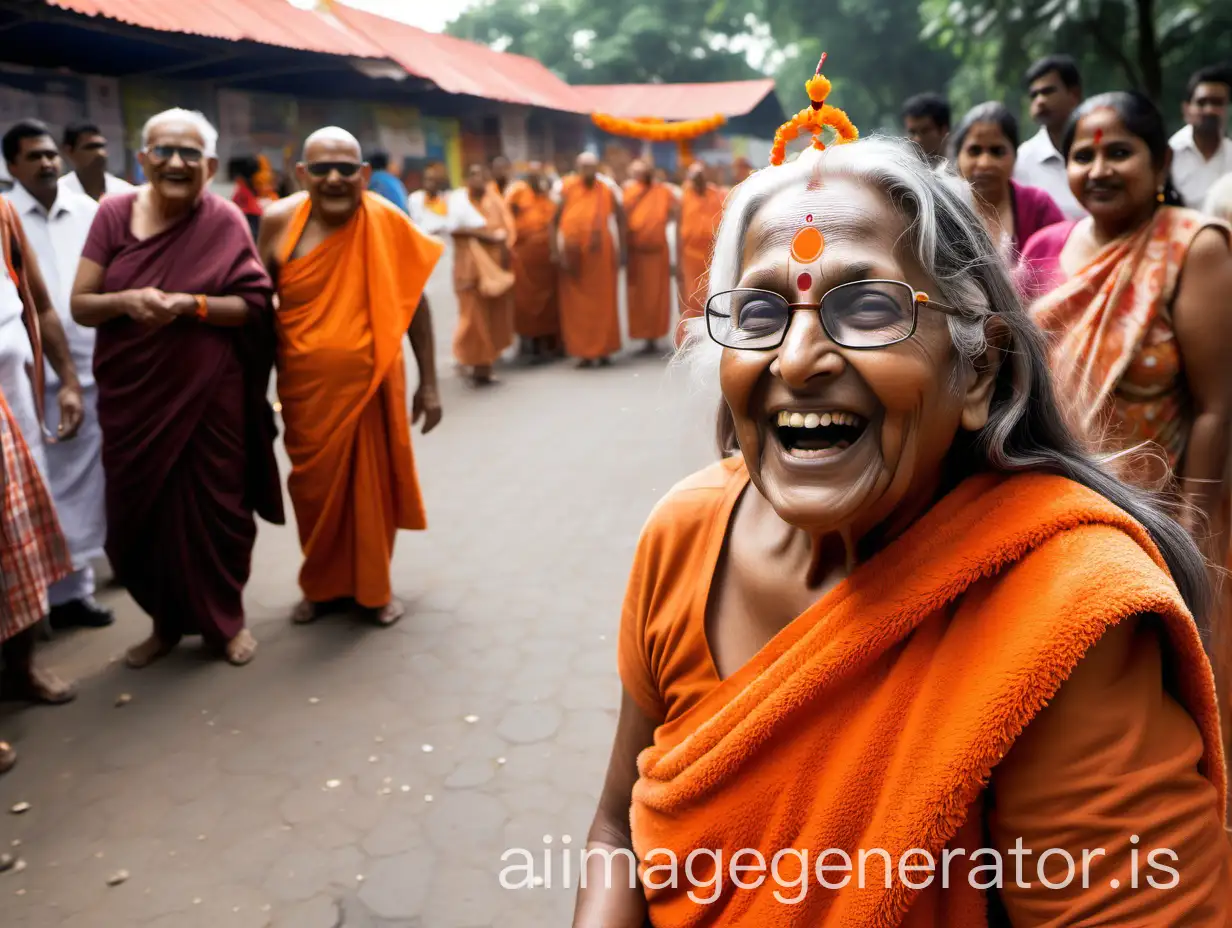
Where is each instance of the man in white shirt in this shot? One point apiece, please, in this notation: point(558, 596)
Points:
point(1201, 151)
point(428, 207)
point(85, 147)
point(1054, 87)
point(56, 222)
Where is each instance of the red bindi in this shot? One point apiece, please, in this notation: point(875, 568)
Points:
point(804, 283)
point(1099, 136)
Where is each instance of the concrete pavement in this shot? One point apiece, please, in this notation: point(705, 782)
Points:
point(359, 776)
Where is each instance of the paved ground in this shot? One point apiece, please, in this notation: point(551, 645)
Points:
point(363, 777)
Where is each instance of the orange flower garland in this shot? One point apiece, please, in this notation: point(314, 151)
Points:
point(658, 130)
point(814, 119)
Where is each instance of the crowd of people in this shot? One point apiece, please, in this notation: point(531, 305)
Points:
point(952, 578)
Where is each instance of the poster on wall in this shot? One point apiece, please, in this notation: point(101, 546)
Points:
point(400, 134)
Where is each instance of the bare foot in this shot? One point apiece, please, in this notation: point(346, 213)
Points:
point(8, 757)
point(146, 653)
point(43, 686)
point(305, 612)
point(242, 648)
point(390, 613)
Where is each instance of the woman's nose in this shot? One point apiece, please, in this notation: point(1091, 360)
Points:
point(807, 350)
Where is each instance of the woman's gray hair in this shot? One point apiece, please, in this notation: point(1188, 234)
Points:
point(1027, 429)
point(209, 135)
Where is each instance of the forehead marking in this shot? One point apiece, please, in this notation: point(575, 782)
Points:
point(807, 244)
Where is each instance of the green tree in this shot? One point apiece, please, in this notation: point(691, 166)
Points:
point(877, 56)
point(1149, 45)
point(632, 41)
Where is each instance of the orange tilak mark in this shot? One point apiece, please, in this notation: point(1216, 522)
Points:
point(807, 245)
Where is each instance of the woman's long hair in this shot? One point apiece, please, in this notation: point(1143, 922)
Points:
point(1027, 429)
point(1141, 117)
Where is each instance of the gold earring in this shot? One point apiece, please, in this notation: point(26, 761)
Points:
point(1160, 196)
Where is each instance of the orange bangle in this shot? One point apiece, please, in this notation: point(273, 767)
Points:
point(203, 308)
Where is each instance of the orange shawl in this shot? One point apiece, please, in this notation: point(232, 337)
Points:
point(875, 718)
point(345, 308)
point(1100, 318)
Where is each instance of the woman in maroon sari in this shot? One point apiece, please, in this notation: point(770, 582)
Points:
point(171, 279)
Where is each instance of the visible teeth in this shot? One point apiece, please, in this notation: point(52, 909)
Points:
point(814, 420)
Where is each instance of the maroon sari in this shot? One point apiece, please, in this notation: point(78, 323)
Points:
point(187, 430)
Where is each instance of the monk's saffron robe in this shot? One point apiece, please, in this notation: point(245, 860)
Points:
point(345, 308)
point(700, 214)
point(648, 208)
point(536, 313)
point(589, 318)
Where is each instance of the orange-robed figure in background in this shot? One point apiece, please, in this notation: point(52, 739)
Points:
point(350, 269)
point(536, 316)
point(483, 232)
point(701, 208)
point(649, 207)
point(589, 263)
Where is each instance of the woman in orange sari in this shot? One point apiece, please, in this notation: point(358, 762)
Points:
point(906, 621)
point(1137, 299)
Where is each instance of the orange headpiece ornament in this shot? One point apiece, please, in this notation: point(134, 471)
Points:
point(813, 119)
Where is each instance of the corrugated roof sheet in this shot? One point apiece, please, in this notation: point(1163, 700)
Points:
point(676, 101)
point(458, 66)
point(455, 65)
point(272, 22)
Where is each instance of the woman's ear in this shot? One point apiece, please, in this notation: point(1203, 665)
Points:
point(977, 397)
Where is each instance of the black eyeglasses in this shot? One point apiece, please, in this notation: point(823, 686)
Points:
point(167, 152)
point(323, 168)
point(861, 315)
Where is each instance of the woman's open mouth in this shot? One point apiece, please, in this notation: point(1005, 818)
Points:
point(812, 435)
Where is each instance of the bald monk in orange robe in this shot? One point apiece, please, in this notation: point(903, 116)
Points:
point(536, 317)
point(701, 208)
point(481, 276)
point(589, 262)
point(350, 270)
point(649, 207)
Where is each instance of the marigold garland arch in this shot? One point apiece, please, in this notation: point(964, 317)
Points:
point(651, 129)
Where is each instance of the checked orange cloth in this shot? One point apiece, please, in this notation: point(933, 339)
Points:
point(33, 552)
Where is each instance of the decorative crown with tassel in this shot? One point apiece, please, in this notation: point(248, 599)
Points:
point(813, 119)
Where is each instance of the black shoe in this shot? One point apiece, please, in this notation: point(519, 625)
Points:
point(80, 613)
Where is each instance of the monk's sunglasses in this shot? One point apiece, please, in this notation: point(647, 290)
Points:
point(323, 168)
point(164, 153)
point(862, 315)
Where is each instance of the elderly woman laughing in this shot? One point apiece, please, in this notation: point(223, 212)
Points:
point(905, 655)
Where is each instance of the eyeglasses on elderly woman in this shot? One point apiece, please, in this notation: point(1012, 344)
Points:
point(861, 315)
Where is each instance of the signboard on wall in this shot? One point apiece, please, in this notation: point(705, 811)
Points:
point(400, 134)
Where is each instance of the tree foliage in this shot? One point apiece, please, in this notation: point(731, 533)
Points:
point(613, 41)
point(881, 51)
point(1149, 45)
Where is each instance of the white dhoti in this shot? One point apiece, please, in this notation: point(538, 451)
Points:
point(74, 471)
